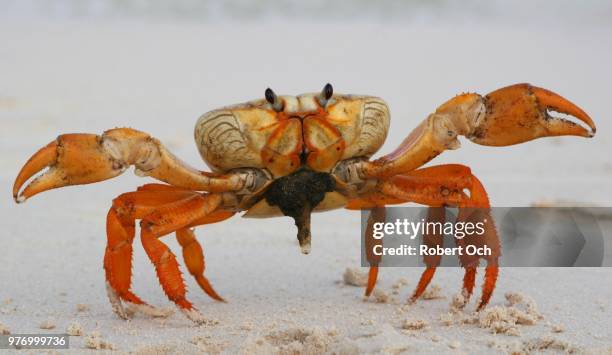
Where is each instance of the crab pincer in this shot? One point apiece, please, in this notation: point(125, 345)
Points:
point(80, 158)
point(510, 115)
point(522, 112)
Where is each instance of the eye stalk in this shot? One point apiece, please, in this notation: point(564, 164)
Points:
point(326, 94)
point(271, 97)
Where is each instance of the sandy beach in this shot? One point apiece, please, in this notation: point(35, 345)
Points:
point(88, 76)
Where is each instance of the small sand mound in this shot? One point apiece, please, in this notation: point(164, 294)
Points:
point(415, 324)
point(95, 341)
point(454, 344)
point(557, 328)
point(458, 302)
point(74, 329)
point(433, 292)
point(82, 307)
point(246, 326)
point(381, 296)
point(297, 341)
point(4, 330)
point(520, 310)
point(548, 343)
point(517, 298)
point(505, 320)
point(47, 324)
point(539, 345)
point(354, 276)
point(399, 283)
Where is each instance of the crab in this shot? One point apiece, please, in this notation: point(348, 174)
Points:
point(291, 155)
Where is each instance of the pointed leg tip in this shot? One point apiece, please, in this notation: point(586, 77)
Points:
point(115, 302)
point(372, 277)
point(208, 289)
point(216, 297)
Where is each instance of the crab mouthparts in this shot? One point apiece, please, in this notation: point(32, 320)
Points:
point(297, 195)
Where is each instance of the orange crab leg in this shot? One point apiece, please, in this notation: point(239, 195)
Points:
point(372, 277)
point(435, 238)
point(424, 281)
point(511, 115)
point(194, 258)
point(118, 256)
point(167, 219)
point(440, 186)
point(120, 230)
point(377, 214)
point(491, 273)
point(75, 159)
point(469, 281)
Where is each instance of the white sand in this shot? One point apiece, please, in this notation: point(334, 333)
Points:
point(79, 77)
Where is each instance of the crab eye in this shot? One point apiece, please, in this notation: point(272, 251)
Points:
point(326, 94)
point(271, 97)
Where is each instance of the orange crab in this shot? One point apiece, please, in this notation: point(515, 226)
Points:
point(290, 155)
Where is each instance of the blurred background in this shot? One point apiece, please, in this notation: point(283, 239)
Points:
point(593, 12)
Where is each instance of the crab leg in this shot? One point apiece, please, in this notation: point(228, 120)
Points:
point(424, 281)
point(118, 263)
point(469, 281)
point(192, 250)
point(444, 185)
point(194, 259)
point(441, 186)
point(75, 159)
point(167, 219)
point(377, 214)
point(434, 214)
point(511, 115)
point(120, 230)
point(491, 273)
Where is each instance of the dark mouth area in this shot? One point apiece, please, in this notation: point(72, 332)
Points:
point(296, 195)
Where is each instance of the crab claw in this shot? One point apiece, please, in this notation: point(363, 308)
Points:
point(71, 159)
point(521, 112)
point(510, 115)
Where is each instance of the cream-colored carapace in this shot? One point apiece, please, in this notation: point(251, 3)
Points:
point(302, 130)
point(292, 155)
